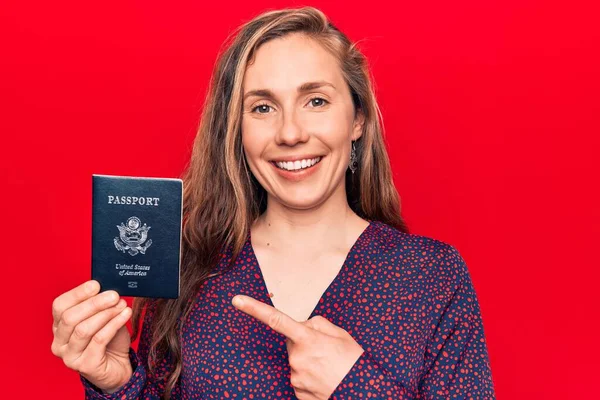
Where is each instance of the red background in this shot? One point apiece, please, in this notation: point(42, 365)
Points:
point(491, 116)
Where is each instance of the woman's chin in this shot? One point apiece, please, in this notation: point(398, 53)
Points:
point(300, 199)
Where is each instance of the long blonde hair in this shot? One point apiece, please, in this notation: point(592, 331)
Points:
point(222, 199)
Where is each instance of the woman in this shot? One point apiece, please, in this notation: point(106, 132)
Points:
point(299, 277)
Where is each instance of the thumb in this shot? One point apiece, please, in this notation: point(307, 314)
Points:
point(323, 325)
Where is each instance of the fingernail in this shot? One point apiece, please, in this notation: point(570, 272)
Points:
point(110, 296)
point(237, 301)
point(90, 287)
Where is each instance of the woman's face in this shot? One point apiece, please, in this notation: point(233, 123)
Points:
point(297, 107)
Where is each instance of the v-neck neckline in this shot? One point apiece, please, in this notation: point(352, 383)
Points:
point(263, 284)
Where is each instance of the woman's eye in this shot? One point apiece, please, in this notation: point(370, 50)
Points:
point(262, 107)
point(318, 101)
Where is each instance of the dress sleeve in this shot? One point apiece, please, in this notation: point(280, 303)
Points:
point(142, 385)
point(367, 379)
point(456, 357)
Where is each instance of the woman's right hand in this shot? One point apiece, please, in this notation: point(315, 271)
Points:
point(90, 335)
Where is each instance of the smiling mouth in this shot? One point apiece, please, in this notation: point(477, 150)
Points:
point(292, 166)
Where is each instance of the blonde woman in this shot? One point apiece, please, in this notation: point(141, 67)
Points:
point(299, 276)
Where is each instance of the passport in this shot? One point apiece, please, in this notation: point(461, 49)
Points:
point(136, 235)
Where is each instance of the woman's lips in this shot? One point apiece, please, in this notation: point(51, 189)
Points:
point(297, 175)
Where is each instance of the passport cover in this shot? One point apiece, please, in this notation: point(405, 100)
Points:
point(136, 235)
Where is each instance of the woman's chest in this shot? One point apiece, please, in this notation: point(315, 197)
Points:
point(295, 285)
point(223, 347)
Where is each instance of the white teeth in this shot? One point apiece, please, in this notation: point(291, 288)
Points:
point(299, 164)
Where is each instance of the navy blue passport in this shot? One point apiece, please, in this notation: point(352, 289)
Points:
point(136, 235)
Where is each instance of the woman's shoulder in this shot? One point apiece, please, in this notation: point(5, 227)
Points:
point(389, 236)
point(419, 254)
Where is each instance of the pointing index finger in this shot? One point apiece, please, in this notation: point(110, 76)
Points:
point(272, 317)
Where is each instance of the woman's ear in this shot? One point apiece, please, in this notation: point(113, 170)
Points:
point(359, 122)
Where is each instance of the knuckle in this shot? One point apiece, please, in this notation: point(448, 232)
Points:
point(56, 307)
point(317, 318)
point(296, 381)
point(68, 319)
point(274, 320)
point(81, 331)
point(294, 361)
point(54, 348)
point(96, 302)
point(100, 338)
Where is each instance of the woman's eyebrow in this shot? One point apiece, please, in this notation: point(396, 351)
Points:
point(305, 87)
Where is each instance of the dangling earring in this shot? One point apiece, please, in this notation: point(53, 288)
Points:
point(353, 165)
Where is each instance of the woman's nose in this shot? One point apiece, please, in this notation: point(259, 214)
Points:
point(291, 130)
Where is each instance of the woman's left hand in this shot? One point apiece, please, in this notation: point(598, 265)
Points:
point(320, 353)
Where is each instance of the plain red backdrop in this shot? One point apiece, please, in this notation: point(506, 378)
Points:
point(491, 116)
